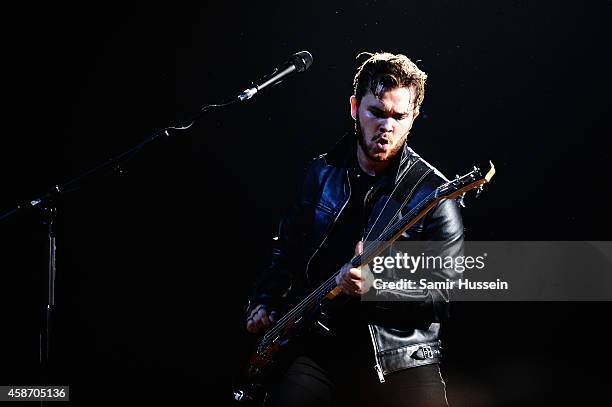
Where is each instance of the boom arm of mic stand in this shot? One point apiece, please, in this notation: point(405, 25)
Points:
point(48, 206)
point(110, 164)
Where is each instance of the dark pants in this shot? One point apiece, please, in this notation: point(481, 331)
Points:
point(306, 383)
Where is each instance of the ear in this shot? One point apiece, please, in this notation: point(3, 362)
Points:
point(354, 107)
point(417, 110)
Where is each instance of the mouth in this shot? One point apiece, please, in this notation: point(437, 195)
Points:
point(382, 143)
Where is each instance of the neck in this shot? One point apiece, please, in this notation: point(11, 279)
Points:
point(369, 166)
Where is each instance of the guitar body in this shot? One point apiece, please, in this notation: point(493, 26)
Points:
point(271, 357)
point(265, 363)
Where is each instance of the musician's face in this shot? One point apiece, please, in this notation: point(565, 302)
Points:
point(383, 124)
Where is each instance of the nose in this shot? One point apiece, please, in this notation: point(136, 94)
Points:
point(386, 125)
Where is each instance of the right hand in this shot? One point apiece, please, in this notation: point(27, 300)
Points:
point(355, 281)
point(259, 319)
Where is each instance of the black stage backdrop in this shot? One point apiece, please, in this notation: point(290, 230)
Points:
point(154, 266)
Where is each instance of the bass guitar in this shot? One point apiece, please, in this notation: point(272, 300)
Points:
point(251, 386)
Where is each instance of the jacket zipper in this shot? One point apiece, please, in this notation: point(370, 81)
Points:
point(348, 181)
point(377, 366)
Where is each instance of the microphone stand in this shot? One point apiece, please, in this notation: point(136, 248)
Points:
point(47, 205)
point(50, 213)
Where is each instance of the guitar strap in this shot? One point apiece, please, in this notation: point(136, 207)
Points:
point(408, 191)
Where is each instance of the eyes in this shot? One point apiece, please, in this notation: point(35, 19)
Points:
point(381, 114)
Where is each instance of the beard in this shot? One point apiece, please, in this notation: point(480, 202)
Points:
point(361, 139)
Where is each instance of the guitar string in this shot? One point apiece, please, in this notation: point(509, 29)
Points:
point(324, 288)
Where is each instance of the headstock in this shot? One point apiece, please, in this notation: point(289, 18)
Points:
point(475, 179)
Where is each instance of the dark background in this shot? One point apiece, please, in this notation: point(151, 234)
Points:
point(154, 266)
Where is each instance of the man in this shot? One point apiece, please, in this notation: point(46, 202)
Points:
point(349, 196)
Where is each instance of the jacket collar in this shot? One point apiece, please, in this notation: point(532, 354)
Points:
point(344, 155)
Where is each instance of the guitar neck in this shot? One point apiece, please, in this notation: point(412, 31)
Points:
point(329, 289)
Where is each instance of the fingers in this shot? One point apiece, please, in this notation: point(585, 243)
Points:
point(251, 326)
point(264, 321)
point(350, 280)
point(354, 273)
point(343, 282)
point(367, 279)
point(354, 276)
point(259, 319)
point(359, 248)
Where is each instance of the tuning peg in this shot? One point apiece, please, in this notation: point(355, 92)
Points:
point(479, 190)
point(461, 199)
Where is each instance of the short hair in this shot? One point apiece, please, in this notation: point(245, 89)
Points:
point(384, 71)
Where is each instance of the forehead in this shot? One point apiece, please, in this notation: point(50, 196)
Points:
point(397, 99)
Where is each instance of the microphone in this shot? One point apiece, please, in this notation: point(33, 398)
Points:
point(300, 61)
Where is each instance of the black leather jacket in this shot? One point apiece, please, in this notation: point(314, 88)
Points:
point(404, 333)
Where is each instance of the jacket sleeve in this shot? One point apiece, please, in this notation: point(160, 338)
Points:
point(275, 282)
point(443, 227)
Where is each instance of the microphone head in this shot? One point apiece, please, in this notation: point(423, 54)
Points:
point(302, 60)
